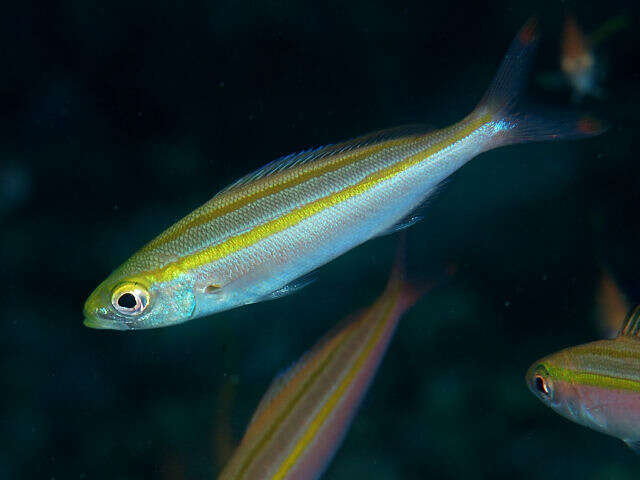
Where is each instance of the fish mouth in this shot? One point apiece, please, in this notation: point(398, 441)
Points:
point(91, 317)
point(98, 324)
point(98, 320)
point(94, 323)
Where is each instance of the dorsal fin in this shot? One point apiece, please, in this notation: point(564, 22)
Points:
point(631, 326)
point(289, 161)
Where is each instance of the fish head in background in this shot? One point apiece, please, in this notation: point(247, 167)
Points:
point(552, 389)
point(597, 384)
point(126, 301)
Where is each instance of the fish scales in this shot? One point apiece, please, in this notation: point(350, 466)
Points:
point(236, 212)
point(332, 226)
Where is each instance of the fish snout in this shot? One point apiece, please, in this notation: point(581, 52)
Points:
point(98, 316)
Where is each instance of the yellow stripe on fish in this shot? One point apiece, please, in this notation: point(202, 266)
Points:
point(306, 377)
point(224, 204)
point(263, 231)
point(329, 407)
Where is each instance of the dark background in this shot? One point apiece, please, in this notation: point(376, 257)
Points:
point(117, 119)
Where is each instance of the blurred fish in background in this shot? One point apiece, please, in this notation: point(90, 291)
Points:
point(578, 62)
point(596, 384)
point(580, 67)
point(302, 419)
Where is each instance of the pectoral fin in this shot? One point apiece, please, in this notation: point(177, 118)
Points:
point(289, 288)
point(404, 223)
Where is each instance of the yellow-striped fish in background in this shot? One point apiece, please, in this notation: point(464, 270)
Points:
point(301, 420)
point(596, 384)
point(580, 65)
point(260, 234)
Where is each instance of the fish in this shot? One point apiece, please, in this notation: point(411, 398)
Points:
point(596, 384)
point(261, 236)
point(580, 67)
point(578, 62)
point(304, 415)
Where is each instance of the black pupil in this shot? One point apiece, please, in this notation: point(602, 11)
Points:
point(540, 385)
point(127, 300)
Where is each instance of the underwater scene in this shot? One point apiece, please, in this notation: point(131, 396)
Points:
point(302, 240)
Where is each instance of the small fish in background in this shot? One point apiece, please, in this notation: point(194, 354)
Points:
point(302, 419)
point(596, 384)
point(611, 305)
point(258, 238)
point(580, 68)
point(578, 63)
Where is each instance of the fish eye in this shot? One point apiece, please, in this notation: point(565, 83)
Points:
point(130, 299)
point(542, 385)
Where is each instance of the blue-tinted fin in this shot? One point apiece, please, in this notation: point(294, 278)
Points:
point(306, 156)
point(631, 326)
point(516, 122)
point(406, 222)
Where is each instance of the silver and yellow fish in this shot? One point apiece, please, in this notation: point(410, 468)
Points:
point(260, 234)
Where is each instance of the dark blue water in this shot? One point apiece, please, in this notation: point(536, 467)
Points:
point(118, 119)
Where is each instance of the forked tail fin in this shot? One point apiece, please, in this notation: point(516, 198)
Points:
point(515, 121)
